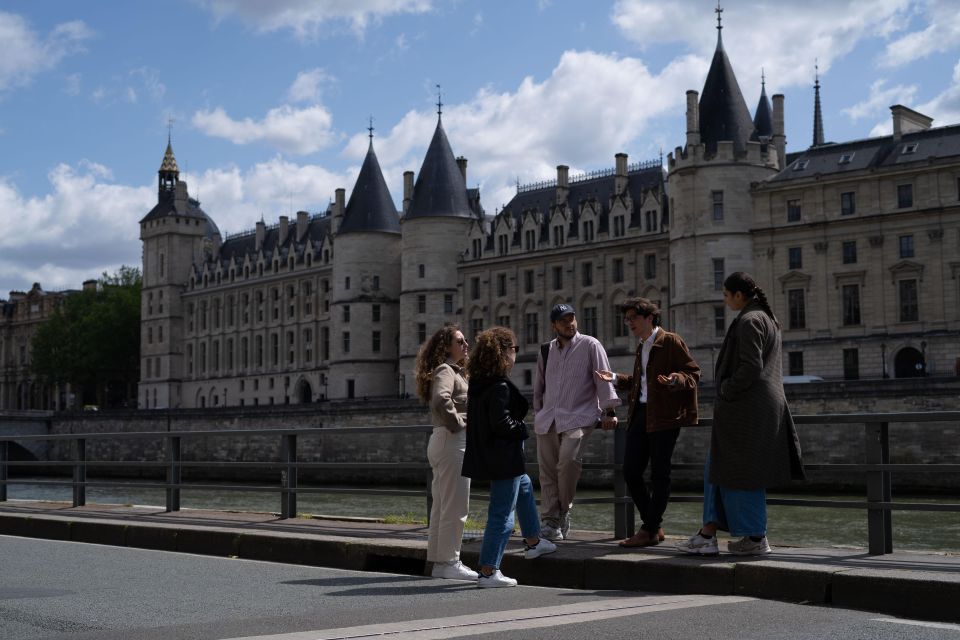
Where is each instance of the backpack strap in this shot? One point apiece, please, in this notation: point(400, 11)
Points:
point(544, 354)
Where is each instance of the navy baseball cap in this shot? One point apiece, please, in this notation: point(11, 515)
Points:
point(560, 310)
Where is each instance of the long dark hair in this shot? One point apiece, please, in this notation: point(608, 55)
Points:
point(743, 282)
point(432, 354)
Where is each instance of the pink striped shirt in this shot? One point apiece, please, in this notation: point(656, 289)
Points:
point(573, 396)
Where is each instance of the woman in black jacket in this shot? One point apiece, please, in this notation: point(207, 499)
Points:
point(495, 435)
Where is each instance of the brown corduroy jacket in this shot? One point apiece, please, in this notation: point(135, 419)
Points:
point(668, 406)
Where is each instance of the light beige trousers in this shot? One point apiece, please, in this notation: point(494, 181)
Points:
point(559, 456)
point(451, 495)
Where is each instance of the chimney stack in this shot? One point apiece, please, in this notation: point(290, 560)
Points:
point(906, 120)
point(338, 209)
point(261, 233)
point(462, 163)
point(620, 174)
point(563, 183)
point(407, 190)
point(693, 118)
point(284, 228)
point(302, 223)
point(89, 285)
point(779, 135)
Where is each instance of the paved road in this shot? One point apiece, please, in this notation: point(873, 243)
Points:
point(66, 590)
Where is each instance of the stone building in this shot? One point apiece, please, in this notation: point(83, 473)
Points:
point(855, 243)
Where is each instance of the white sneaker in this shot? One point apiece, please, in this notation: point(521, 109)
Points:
point(565, 526)
point(455, 570)
point(698, 545)
point(550, 532)
point(747, 547)
point(542, 548)
point(494, 580)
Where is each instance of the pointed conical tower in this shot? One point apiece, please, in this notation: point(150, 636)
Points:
point(365, 314)
point(176, 234)
point(818, 139)
point(437, 216)
point(710, 204)
point(763, 117)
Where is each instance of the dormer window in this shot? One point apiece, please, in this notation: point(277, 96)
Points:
point(846, 158)
point(910, 148)
point(800, 165)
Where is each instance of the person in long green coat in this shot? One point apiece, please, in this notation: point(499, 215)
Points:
point(754, 443)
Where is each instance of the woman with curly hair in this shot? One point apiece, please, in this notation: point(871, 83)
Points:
point(441, 385)
point(495, 435)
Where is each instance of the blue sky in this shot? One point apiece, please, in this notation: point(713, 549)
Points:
point(270, 100)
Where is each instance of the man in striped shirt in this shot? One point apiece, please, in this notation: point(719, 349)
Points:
point(569, 400)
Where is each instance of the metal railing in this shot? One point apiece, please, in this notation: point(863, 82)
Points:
point(876, 467)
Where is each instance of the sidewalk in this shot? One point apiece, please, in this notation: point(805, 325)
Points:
point(909, 584)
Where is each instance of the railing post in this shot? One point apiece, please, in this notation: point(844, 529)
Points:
point(173, 473)
point(80, 473)
point(4, 456)
point(879, 520)
point(288, 477)
point(429, 484)
point(622, 510)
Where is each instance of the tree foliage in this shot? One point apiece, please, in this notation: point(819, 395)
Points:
point(93, 338)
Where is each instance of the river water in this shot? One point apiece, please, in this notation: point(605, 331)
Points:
point(803, 526)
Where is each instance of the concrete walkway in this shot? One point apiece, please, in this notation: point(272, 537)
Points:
point(911, 584)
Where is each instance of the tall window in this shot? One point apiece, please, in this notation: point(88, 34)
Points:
point(307, 345)
point(376, 342)
point(530, 239)
point(650, 266)
point(346, 313)
point(851, 304)
point(421, 270)
point(851, 364)
point(346, 342)
point(259, 349)
point(476, 326)
point(291, 350)
point(476, 248)
point(719, 321)
point(793, 210)
point(848, 203)
point(502, 243)
point(346, 282)
point(528, 281)
point(718, 274)
point(474, 288)
point(421, 332)
point(651, 220)
point(717, 205)
point(590, 324)
point(795, 359)
point(558, 236)
point(557, 273)
point(618, 269)
point(244, 353)
point(421, 303)
point(375, 312)
point(620, 329)
point(274, 349)
point(587, 274)
point(531, 326)
point(795, 258)
point(448, 303)
point(619, 226)
point(503, 321)
point(904, 196)
point(909, 306)
point(376, 282)
point(588, 231)
point(797, 309)
point(501, 284)
point(906, 246)
point(325, 343)
point(850, 252)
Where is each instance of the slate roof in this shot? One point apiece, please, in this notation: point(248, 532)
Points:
point(235, 248)
point(370, 207)
point(884, 151)
point(763, 117)
point(440, 190)
point(723, 111)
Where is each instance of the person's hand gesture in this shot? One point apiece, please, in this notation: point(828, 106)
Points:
point(671, 380)
point(606, 376)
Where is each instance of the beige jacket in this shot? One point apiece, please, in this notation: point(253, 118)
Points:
point(448, 401)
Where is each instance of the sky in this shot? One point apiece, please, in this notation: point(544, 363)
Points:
point(268, 103)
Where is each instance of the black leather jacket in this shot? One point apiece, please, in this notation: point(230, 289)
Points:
point(495, 430)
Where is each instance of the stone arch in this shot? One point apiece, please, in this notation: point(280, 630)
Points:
point(909, 363)
point(304, 391)
point(200, 400)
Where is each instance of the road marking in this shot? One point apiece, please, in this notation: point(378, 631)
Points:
point(501, 621)
point(919, 623)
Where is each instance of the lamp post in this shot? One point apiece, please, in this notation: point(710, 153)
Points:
point(883, 360)
point(401, 385)
point(923, 357)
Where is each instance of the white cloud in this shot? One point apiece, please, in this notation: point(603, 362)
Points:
point(783, 38)
point(150, 82)
point(309, 18)
point(289, 129)
point(27, 54)
point(945, 107)
point(306, 87)
point(84, 226)
point(942, 33)
point(580, 116)
point(880, 99)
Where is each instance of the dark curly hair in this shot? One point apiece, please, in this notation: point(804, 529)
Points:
point(432, 354)
point(490, 357)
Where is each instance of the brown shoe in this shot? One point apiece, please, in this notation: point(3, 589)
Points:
point(640, 539)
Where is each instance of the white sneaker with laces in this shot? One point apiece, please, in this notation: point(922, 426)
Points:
point(542, 548)
point(550, 532)
point(747, 547)
point(698, 545)
point(494, 580)
point(455, 570)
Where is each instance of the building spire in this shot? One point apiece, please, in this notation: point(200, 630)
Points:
point(439, 103)
point(817, 113)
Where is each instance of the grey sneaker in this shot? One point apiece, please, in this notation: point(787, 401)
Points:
point(747, 547)
point(565, 526)
point(698, 545)
point(542, 548)
point(550, 532)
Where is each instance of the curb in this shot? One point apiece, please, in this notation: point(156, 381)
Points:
point(897, 592)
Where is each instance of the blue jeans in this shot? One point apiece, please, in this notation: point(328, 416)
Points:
point(505, 497)
point(741, 512)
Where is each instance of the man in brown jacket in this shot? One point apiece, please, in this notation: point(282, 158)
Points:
point(663, 398)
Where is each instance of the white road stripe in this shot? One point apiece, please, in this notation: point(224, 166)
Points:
point(500, 621)
point(920, 623)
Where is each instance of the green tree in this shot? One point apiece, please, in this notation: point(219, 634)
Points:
point(93, 340)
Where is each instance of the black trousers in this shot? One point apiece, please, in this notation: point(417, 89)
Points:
point(655, 449)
